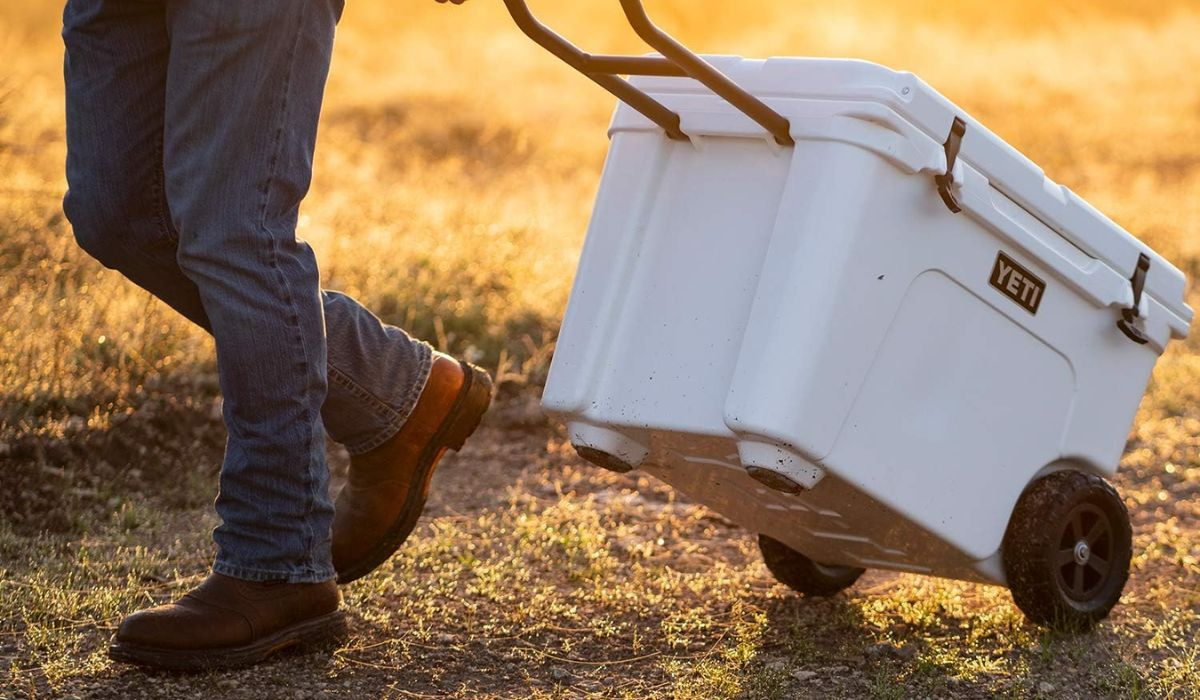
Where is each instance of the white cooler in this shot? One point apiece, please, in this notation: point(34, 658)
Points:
point(810, 340)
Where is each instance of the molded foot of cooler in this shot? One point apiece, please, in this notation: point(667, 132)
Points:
point(606, 448)
point(778, 468)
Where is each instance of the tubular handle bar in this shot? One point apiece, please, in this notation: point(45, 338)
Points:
point(677, 61)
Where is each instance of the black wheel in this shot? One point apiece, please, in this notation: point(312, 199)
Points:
point(1067, 550)
point(802, 574)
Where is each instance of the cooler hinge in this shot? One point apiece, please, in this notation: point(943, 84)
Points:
point(945, 182)
point(1131, 314)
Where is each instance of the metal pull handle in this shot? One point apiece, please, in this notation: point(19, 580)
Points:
point(704, 72)
point(678, 61)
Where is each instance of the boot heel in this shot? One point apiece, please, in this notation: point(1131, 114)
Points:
point(473, 402)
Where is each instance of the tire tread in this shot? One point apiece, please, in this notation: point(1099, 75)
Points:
point(1028, 539)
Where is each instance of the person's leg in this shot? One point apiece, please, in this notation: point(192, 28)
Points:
point(244, 89)
point(115, 74)
point(118, 209)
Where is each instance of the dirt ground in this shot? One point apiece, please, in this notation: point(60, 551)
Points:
point(536, 575)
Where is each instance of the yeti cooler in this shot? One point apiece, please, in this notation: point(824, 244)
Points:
point(821, 299)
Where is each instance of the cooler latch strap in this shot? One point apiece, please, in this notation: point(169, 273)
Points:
point(946, 181)
point(1131, 314)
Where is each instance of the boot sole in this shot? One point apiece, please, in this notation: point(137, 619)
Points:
point(472, 402)
point(316, 633)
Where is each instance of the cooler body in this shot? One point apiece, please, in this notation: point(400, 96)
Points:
point(818, 311)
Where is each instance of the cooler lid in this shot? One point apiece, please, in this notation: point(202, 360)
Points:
point(1006, 168)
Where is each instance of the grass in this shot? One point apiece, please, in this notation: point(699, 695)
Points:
point(454, 179)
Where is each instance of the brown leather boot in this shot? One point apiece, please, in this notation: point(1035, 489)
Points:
point(386, 489)
point(230, 622)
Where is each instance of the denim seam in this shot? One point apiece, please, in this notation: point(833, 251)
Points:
point(162, 209)
point(408, 403)
point(249, 573)
point(309, 435)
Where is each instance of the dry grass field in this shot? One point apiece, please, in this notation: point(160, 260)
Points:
point(454, 179)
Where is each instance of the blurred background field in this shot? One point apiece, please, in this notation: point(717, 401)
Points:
point(454, 178)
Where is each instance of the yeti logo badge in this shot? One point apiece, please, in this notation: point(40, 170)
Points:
point(1017, 283)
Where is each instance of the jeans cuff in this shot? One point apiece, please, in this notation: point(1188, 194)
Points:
point(405, 407)
point(247, 573)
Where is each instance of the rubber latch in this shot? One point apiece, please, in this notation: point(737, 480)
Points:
point(945, 181)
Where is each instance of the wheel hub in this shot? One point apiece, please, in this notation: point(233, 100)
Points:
point(1085, 552)
point(1082, 552)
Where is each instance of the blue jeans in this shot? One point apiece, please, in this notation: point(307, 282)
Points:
point(190, 133)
